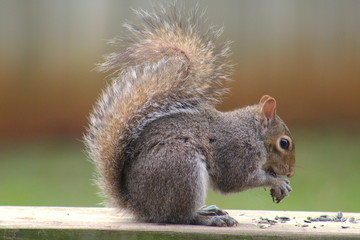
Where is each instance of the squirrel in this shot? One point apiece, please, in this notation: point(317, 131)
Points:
point(156, 138)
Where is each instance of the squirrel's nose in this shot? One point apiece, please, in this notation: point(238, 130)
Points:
point(291, 173)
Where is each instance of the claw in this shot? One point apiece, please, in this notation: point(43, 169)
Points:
point(219, 221)
point(272, 194)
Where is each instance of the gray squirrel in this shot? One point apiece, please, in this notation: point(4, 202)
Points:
point(156, 138)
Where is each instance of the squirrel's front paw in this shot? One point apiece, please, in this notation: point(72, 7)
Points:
point(280, 189)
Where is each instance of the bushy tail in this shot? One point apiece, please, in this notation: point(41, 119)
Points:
point(169, 66)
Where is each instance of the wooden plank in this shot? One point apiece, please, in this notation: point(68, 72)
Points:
point(251, 225)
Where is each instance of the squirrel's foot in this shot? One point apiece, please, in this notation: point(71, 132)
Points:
point(213, 216)
point(280, 190)
point(218, 221)
point(212, 210)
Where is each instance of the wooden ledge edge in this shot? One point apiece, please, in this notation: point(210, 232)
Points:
point(251, 222)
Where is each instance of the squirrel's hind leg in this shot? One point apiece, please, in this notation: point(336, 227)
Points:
point(167, 183)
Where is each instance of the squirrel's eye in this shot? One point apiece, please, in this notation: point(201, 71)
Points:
point(284, 143)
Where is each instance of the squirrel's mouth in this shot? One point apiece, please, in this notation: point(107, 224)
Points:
point(275, 172)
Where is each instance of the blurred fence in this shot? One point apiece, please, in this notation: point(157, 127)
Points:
point(304, 53)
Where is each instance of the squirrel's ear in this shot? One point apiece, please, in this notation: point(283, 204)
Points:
point(267, 110)
point(264, 98)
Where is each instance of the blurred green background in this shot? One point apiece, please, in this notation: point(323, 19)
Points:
point(304, 53)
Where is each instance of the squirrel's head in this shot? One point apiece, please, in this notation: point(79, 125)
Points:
point(277, 139)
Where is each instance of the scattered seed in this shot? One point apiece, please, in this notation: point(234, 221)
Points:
point(266, 220)
point(307, 221)
point(325, 218)
point(344, 227)
point(284, 219)
point(304, 225)
point(339, 217)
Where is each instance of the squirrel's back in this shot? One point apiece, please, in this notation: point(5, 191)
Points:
point(169, 66)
